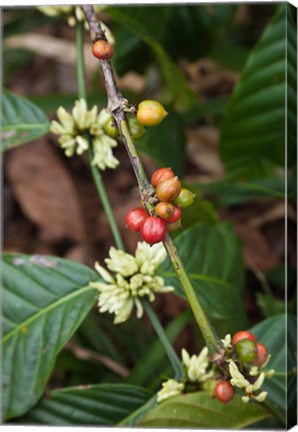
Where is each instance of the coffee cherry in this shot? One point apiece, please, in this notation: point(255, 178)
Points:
point(224, 391)
point(137, 130)
point(169, 189)
point(150, 113)
point(135, 218)
point(262, 354)
point(102, 50)
point(185, 198)
point(111, 129)
point(153, 230)
point(164, 210)
point(175, 216)
point(174, 226)
point(160, 175)
point(244, 334)
point(246, 351)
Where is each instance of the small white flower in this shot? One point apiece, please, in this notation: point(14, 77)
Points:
point(270, 373)
point(259, 382)
point(75, 14)
point(254, 371)
point(261, 397)
point(74, 129)
point(238, 380)
point(118, 294)
point(169, 389)
point(197, 365)
point(245, 399)
point(121, 262)
point(226, 341)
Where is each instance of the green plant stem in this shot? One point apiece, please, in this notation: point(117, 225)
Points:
point(176, 364)
point(94, 170)
point(212, 340)
point(105, 201)
point(80, 63)
point(107, 206)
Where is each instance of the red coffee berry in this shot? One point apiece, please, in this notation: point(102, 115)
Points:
point(102, 50)
point(169, 189)
point(160, 175)
point(135, 218)
point(224, 391)
point(243, 334)
point(262, 354)
point(176, 215)
point(165, 210)
point(153, 230)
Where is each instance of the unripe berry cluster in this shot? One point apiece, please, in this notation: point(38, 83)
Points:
point(248, 350)
point(167, 212)
point(248, 353)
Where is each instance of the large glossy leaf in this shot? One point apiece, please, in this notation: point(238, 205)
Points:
point(165, 143)
point(44, 301)
point(271, 333)
point(199, 410)
point(22, 121)
point(212, 258)
point(91, 405)
point(253, 131)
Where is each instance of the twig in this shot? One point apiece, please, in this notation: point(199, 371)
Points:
point(86, 354)
point(107, 205)
point(117, 105)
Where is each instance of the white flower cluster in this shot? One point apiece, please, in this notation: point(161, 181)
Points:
point(196, 366)
point(195, 370)
point(169, 389)
point(75, 14)
point(238, 380)
point(134, 277)
point(74, 127)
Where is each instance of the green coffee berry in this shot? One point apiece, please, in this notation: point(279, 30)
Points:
point(111, 129)
point(185, 198)
point(137, 130)
point(246, 351)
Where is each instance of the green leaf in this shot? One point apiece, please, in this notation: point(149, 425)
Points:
point(213, 260)
point(270, 305)
point(22, 121)
point(165, 143)
point(199, 211)
point(199, 410)
point(253, 130)
point(227, 193)
point(44, 301)
point(90, 405)
point(271, 333)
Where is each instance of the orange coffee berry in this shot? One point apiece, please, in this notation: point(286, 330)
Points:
point(169, 189)
point(160, 175)
point(102, 50)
